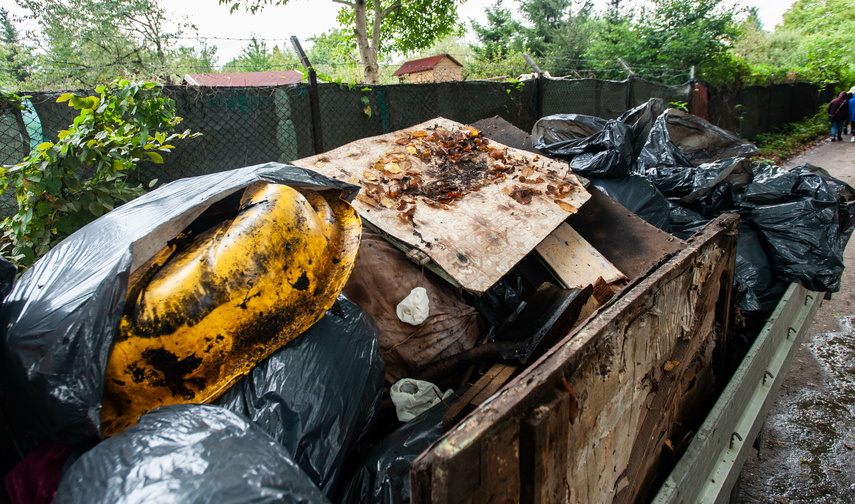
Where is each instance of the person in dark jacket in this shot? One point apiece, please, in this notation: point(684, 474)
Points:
point(838, 114)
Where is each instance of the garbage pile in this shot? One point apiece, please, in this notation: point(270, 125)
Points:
point(220, 338)
point(678, 172)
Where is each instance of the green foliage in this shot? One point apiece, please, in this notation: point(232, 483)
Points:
point(63, 185)
point(499, 37)
point(255, 57)
point(676, 34)
point(84, 43)
point(504, 66)
point(384, 27)
point(11, 101)
point(783, 143)
point(15, 58)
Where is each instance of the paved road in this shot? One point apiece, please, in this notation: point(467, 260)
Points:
point(808, 449)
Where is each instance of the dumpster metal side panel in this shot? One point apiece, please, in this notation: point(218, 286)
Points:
point(710, 467)
point(632, 376)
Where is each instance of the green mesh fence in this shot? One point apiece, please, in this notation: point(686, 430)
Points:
point(247, 126)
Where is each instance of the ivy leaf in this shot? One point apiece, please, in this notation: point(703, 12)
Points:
point(155, 157)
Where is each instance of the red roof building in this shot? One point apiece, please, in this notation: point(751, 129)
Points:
point(439, 68)
point(244, 79)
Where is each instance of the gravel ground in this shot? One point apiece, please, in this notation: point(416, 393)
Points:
point(807, 453)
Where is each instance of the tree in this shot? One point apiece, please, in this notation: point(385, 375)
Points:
point(378, 26)
point(499, 37)
point(15, 57)
point(85, 42)
point(255, 57)
point(665, 40)
point(827, 38)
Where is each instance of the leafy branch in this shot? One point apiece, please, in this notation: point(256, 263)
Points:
point(61, 186)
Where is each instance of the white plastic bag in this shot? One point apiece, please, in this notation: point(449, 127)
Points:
point(415, 308)
point(413, 397)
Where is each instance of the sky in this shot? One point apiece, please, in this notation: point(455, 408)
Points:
point(305, 18)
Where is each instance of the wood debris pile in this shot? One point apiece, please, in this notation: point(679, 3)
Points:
point(440, 166)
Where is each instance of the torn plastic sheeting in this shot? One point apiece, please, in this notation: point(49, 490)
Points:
point(681, 139)
point(62, 315)
point(806, 217)
point(318, 395)
point(382, 475)
point(639, 196)
point(605, 153)
point(188, 453)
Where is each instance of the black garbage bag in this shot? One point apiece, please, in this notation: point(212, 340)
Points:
point(753, 275)
point(681, 139)
point(639, 196)
point(805, 217)
point(690, 184)
point(685, 222)
point(189, 453)
point(641, 119)
point(62, 315)
point(559, 128)
point(7, 277)
point(606, 153)
point(318, 395)
point(382, 475)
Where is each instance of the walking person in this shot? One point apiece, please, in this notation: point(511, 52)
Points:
point(838, 114)
point(852, 113)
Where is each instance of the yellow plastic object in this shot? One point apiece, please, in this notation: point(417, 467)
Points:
point(198, 317)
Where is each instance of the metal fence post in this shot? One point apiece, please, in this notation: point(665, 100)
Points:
point(314, 99)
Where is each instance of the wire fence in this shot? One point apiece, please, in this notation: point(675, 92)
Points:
point(252, 125)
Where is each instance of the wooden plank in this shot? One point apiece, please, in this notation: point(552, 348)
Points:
point(574, 261)
point(480, 236)
point(543, 450)
point(710, 466)
point(626, 240)
point(617, 366)
point(494, 379)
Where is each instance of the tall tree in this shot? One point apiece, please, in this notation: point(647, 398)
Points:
point(15, 56)
point(499, 37)
point(663, 41)
point(85, 42)
point(377, 26)
point(827, 38)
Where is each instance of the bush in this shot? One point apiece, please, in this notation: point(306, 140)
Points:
point(62, 186)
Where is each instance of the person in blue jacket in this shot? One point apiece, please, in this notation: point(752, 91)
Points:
point(852, 113)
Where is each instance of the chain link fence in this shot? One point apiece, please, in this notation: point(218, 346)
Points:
point(252, 125)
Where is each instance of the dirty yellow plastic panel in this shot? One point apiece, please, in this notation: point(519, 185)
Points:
point(200, 315)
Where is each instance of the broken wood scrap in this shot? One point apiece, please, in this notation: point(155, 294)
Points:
point(483, 389)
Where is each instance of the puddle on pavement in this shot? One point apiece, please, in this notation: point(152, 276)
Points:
point(815, 428)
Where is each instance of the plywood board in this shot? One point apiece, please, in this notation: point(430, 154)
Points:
point(475, 231)
point(575, 261)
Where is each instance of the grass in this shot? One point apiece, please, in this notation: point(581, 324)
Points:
point(781, 144)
